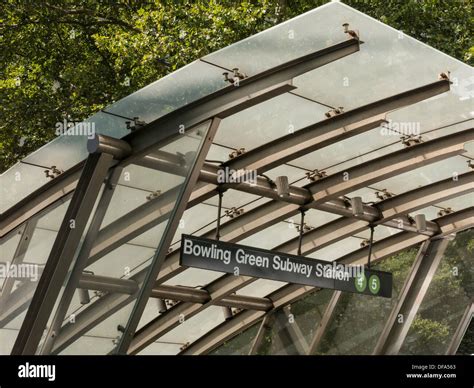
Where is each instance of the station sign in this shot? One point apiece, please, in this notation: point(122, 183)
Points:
point(241, 260)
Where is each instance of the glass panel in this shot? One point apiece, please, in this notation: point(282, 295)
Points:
point(239, 345)
point(424, 175)
point(271, 237)
point(191, 82)
point(24, 273)
point(194, 277)
point(349, 152)
point(466, 347)
point(458, 203)
point(295, 174)
point(260, 288)
point(136, 255)
point(469, 147)
point(108, 332)
point(163, 96)
point(19, 181)
point(267, 121)
point(218, 153)
point(450, 291)
point(122, 262)
point(337, 250)
point(70, 148)
point(357, 319)
point(233, 199)
point(380, 232)
point(196, 218)
point(161, 348)
point(392, 62)
point(371, 145)
point(195, 327)
point(282, 43)
point(291, 329)
point(314, 218)
point(63, 152)
point(9, 244)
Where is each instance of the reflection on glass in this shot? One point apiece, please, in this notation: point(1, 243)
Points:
point(357, 319)
point(24, 268)
point(466, 347)
point(450, 291)
point(240, 345)
point(19, 181)
point(291, 329)
point(103, 338)
point(132, 229)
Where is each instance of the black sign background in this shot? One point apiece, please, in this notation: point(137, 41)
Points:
point(381, 281)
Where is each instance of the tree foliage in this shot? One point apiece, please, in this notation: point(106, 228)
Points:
point(66, 59)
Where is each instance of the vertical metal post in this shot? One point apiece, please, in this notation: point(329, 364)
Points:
point(20, 251)
point(300, 238)
point(294, 332)
point(324, 323)
point(266, 324)
point(414, 290)
point(81, 261)
point(370, 245)
point(102, 152)
point(160, 254)
point(219, 210)
point(461, 330)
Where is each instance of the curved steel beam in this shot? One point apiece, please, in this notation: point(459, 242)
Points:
point(324, 191)
point(221, 103)
point(329, 131)
point(385, 167)
point(231, 99)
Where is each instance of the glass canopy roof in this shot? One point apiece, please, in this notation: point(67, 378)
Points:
point(388, 63)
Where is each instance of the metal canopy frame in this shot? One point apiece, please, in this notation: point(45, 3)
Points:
point(452, 223)
point(411, 295)
point(325, 194)
point(61, 256)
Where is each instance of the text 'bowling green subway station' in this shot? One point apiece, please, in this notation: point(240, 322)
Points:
point(293, 193)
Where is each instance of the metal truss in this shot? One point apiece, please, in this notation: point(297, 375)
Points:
point(322, 195)
point(451, 223)
point(461, 330)
point(415, 288)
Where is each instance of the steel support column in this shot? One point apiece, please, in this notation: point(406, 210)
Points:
point(20, 251)
point(324, 323)
point(265, 326)
point(64, 247)
point(411, 296)
point(82, 259)
point(461, 330)
point(168, 234)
